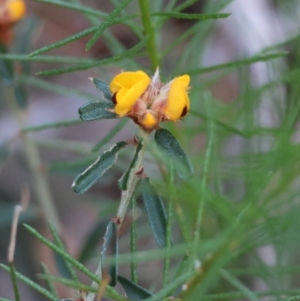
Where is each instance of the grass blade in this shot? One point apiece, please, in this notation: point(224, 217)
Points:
point(190, 16)
point(238, 63)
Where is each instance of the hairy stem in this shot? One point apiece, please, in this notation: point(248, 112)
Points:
point(133, 247)
point(131, 184)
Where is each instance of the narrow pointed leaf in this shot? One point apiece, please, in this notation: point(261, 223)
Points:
point(110, 246)
point(94, 172)
point(96, 110)
point(65, 268)
point(171, 148)
point(156, 212)
point(103, 88)
point(123, 182)
point(133, 291)
point(177, 15)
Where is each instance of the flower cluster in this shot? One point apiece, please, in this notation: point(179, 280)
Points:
point(11, 11)
point(149, 101)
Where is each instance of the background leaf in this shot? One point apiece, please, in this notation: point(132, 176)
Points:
point(156, 212)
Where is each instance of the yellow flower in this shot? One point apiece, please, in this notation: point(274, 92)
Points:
point(149, 101)
point(11, 11)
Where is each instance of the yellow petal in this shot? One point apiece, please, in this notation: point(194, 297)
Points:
point(184, 80)
point(178, 102)
point(126, 97)
point(127, 80)
point(16, 9)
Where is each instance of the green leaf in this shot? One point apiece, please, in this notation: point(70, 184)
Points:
point(123, 182)
point(46, 59)
point(133, 291)
point(103, 88)
point(96, 110)
point(65, 41)
point(238, 63)
point(156, 212)
point(65, 268)
point(94, 172)
point(92, 240)
point(171, 148)
point(190, 16)
point(111, 245)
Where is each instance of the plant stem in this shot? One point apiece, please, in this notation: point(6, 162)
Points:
point(131, 184)
point(32, 155)
point(14, 281)
point(133, 242)
point(150, 34)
